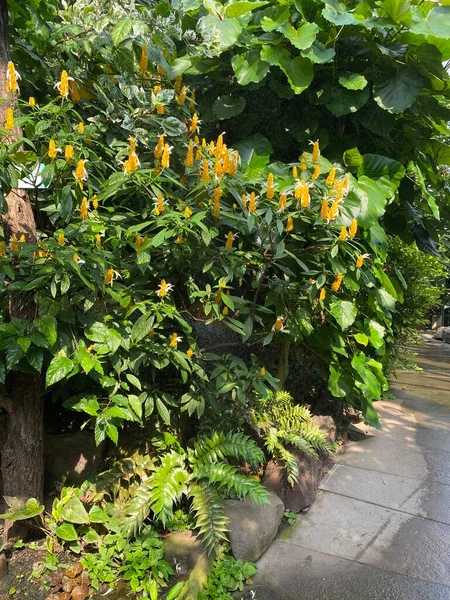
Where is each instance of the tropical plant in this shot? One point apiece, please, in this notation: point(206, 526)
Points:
point(227, 575)
point(285, 426)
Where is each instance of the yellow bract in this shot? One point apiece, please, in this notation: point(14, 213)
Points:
point(324, 209)
point(343, 234)
point(353, 228)
point(323, 294)
point(359, 261)
point(282, 201)
point(109, 276)
point(337, 282)
point(32, 101)
point(9, 119)
point(229, 242)
point(84, 208)
point(252, 203)
point(11, 78)
point(143, 61)
point(80, 127)
point(290, 224)
point(68, 152)
point(316, 152)
point(52, 149)
point(165, 159)
point(63, 86)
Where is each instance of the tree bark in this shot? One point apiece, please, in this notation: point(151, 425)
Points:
point(22, 432)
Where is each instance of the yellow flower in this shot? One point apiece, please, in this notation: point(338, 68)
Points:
point(218, 168)
point(32, 101)
point(270, 189)
point(68, 153)
point(229, 242)
point(2, 249)
point(263, 372)
point(192, 102)
point(181, 99)
point(316, 173)
point(323, 294)
point(303, 165)
point(159, 148)
point(61, 239)
point(187, 213)
point(225, 311)
point(189, 352)
point(252, 203)
point(189, 161)
point(98, 239)
point(84, 208)
point(109, 276)
point(132, 163)
point(198, 154)
point(75, 258)
point(174, 339)
point(22, 239)
point(324, 209)
point(217, 195)
point(353, 228)
point(80, 173)
point(219, 145)
point(278, 325)
point(290, 224)
point(245, 198)
point(160, 205)
point(9, 119)
point(164, 288)
point(179, 239)
point(63, 85)
point(315, 152)
point(343, 234)
point(205, 172)
point(177, 84)
point(165, 159)
point(13, 244)
point(11, 78)
point(193, 128)
point(337, 282)
point(80, 127)
point(160, 110)
point(359, 261)
point(52, 150)
point(143, 61)
point(334, 209)
point(282, 201)
point(211, 148)
point(95, 201)
point(294, 172)
point(331, 175)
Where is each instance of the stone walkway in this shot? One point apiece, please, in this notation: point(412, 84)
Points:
point(380, 527)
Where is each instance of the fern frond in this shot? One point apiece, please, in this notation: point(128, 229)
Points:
point(137, 509)
point(316, 437)
point(221, 445)
point(298, 441)
point(226, 476)
point(210, 518)
point(291, 465)
point(271, 440)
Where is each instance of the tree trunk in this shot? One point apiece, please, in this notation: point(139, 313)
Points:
point(283, 360)
point(22, 434)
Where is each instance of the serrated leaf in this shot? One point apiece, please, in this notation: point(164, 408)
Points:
point(60, 367)
point(47, 325)
point(344, 312)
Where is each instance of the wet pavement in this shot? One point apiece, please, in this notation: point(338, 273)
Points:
point(380, 527)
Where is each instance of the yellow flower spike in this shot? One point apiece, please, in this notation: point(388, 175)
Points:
point(219, 145)
point(343, 233)
point(316, 172)
point(32, 101)
point(181, 99)
point(211, 148)
point(196, 140)
point(22, 239)
point(282, 202)
point(331, 175)
point(353, 228)
point(359, 261)
point(223, 283)
point(226, 162)
point(11, 78)
point(323, 294)
point(138, 240)
point(192, 103)
point(174, 339)
point(160, 110)
point(218, 168)
point(179, 239)
point(290, 224)
point(278, 325)
point(324, 209)
point(315, 152)
point(95, 201)
point(337, 282)
point(234, 163)
point(190, 352)
point(160, 205)
point(80, 173)
point(303, 165)
point(334, 210)
point(252, 203)
point(187, 213)
point(109, 276)
point(225, 311)
point(164, 288)
point(80, 127)
point(263, 372)
point(229, 242)
point(131, 145)
point(346, 184)
point(98, 240)
point(13, 244)
point(294, 172)
point(84, 208)
point(270, 189)
point(189, 161)
point(161, 70)
point(204, 144)
point(156, 89)
point(193, 128)
point(198, 154)
point(205, 178)
point(178, 83)
point(2, 249)
point(61, 239)
point(159, 148)
point(245, 199)
point(165, 159)
point(68, 152)
point(143, 61)
point(75, 258)
point(217, 195)
point(9, 124)
point(63, 86)
point(52, 149)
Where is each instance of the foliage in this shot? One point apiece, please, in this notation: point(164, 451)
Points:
point(227, 575)
point(286, 425)
point(290, 516)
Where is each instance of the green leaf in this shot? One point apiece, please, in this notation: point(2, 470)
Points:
point(225, 107)
point(385, 171)
point(59, 368)
point(176, 590)
point(121, 31)
point(30, 509)
point(298, 70)
point(91, 537)
point(303, 37)
point(173, 126)
point(353, 81)
point(254, 145)
point(352, 158)
point(142, 327)
point(248, 67)
point(372, 200)
point(400, 91)
point(97, 515)
point(134, 381)
point(35, 357)
point(241, 7)
point(23, 343)
point(344, 312)
point(226, 30)
point(74, 512)
point(318, 53)
point(362, 338)
point(439, 21)
point(66, 532)
point(345, 101)
point(48, 327)
point(398, 10)
point(162, 411)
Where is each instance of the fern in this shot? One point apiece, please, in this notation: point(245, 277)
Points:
point(210, 517)
point(221, 445)
point(227, 476)
point(137, 509)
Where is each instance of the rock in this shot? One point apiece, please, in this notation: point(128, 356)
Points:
point(328, 424)
point(70, 458)
point(253, 527)
point(81, 592)
point(443, 333)
point(303, 493)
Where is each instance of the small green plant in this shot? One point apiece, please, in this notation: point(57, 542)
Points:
point(284, 426)
point(227, 575)
point(290, 517)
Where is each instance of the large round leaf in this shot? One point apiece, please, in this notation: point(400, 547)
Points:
point(299, 71)
point(301, 38)
point(225, 107)
point(345, 101)
point(353, 81)
point(386, 171)
point(318, 53)
point(227, 30)
point(399, 92)
point(439, 20)
point(249, 68)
